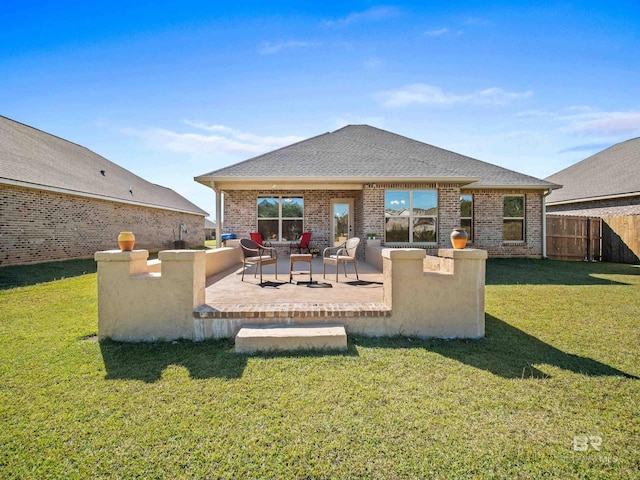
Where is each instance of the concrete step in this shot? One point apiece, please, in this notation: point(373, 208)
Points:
point(261, 338)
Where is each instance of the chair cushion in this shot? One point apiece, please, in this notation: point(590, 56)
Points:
point(343, 258)
point(258, 259)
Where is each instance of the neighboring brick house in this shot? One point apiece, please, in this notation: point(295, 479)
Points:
point(360, 180)
point(605, 184)
point(59, 200)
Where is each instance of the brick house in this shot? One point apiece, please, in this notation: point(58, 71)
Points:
point(361, 180)
point(59, 200)
point(600, 203)
point(605, 184)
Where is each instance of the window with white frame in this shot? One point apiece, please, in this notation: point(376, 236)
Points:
point(411, 216)
point(466, 215)
point(280, 218)
point(513, 221)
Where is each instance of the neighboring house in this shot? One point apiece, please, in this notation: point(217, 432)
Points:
point(605, 184)
point(360, 180)
point(59, 200)
point(209, 229)
point(596, 215)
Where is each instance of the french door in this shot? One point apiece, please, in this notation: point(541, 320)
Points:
point(341, 220)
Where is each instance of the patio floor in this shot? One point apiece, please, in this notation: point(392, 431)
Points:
point(226, 290)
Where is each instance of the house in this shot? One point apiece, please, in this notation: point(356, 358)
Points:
point(59, 200)
point(209, 229)
point(361, 180)
point(605, 184)
point(600, 202)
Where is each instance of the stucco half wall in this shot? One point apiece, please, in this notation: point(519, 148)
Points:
point(422, 296)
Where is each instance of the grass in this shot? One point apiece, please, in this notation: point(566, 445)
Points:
point(560, 360)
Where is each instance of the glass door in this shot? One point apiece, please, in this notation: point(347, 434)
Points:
point(341, 220)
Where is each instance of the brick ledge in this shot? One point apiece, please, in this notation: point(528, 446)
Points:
point(292, 310)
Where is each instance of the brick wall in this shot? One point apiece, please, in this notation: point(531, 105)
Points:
point(487, 218)
point(607, 203)
point(240, 215)
point(39, 226)
point(240, 212)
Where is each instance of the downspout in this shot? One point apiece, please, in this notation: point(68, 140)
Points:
point(544, 223)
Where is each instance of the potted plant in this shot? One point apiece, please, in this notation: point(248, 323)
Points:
point(371, 236)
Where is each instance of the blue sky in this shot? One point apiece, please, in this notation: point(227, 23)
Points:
point(171, 90)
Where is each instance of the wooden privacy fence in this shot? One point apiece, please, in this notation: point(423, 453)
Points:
point(573, 238)
point(621, 239)
point(609, 239)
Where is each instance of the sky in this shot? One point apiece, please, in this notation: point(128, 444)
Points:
point(174, 89)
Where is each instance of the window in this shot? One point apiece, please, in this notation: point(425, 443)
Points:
point(466, 214)
point(280, 218)
point(411, 216)
point(513, 218)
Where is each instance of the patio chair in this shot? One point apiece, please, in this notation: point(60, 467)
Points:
point(303, 243)
point(344, 253)
point(257, 237)
point(254, 254)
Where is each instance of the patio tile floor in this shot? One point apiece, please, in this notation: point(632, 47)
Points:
point(229, 297)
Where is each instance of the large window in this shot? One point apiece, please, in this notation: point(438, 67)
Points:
point(466, 215)
point(513, 218)
point(280, 218)
point(411, 216)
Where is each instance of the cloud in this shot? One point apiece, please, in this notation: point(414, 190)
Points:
point(424, 94)
point(606, 124)
point(220, 139)
point(271, 48)
point(589, 147)
point(586, 120)
point(373, 14)
point(438, 32)
point(442, 32)
point(476, 21)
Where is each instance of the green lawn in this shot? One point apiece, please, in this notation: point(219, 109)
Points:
point(560, 360)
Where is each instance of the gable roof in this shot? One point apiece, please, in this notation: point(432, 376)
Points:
point(36, 159)
point(361, 153)
point(613, 172)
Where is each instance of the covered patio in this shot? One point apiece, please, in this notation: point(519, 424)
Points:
point(225, 289)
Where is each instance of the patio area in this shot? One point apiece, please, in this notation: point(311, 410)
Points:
point(199, 295)
point(226, 289)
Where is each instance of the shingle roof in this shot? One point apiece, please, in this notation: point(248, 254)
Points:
point(364, 152)
point(609, 173)
point(30, 156)
point(209, 223)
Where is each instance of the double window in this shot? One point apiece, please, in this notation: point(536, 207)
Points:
point(411, 216)
point(280, 218)
point(513, 226)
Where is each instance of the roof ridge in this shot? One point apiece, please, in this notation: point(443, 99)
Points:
point(590, 157)
point(49, 134)
point(418, 159)
point(66, 153)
